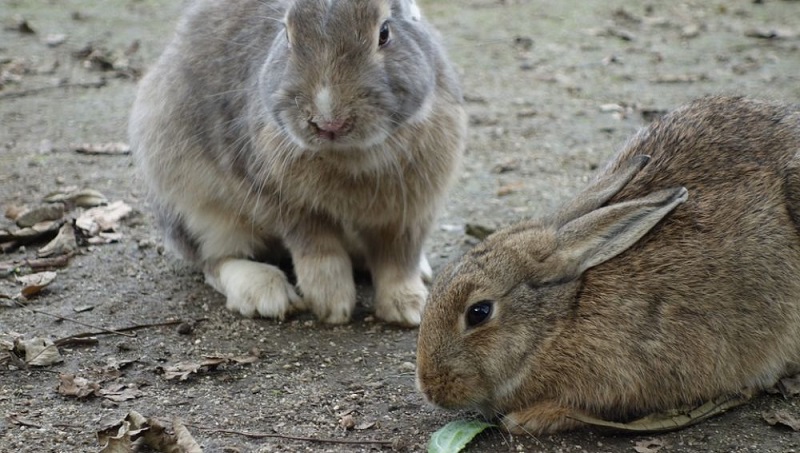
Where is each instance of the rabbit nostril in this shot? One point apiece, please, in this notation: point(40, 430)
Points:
point(330, 129)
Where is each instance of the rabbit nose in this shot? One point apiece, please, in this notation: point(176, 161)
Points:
point(330, 129)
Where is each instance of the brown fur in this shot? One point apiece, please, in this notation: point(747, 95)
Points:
point(597, 312)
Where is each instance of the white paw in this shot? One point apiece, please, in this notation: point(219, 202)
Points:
point(425, 269)
point(401, 302)
point(328, 287)
point(256, 288)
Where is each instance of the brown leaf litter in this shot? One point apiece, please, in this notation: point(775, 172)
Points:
point(135, 429)
point(33, 284)
point(81, 387)
point(782, 417)
point(182, 371)
point(24, 353)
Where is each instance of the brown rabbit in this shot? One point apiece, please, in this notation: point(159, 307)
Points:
point(668, 282)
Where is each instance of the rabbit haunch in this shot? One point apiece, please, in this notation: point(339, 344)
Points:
point(668, 282)
point(328, 130)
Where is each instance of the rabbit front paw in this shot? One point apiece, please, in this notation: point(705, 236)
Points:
point(328, 287)
point(542, 418)
point(253, 288)
point(401, 301)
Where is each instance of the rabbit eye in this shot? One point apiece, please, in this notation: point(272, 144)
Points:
point(383, 36)
point(478, 313)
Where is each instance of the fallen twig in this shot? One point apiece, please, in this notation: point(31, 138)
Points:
point(120, 331)
point(64, 318)
point(254, 435)
point(69, 425)
point(17, 420)
point(39, 264)
point(76, 341)
point(34, 91)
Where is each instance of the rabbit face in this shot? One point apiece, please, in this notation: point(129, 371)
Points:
point(493, 320)
point(345, 81)
point(482, 326)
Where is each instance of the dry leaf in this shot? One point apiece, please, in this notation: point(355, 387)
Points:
point(183, 370)
point(782, 417)
point(104, 238)
point(55, 39)
point(84, 198)
point(63, 244)
point(508, 189)
point(111, 148)
point(119, 438)
point(789, 386)
point(112, 363)
point(180, 371)
point(36, 214)
point(347, 422)
point(34, 283)
point(245, 359)
point(120, 392)
point(770, 33)
point(649, 446)
point(39, 351)
point(364, 425)
point(79, 387)
point(23, 26)
point(71, 385)
point(103, 218)
point(30, 234)
point(8, 340)
point(185, 440)
point(13, 211)
point(101, 59)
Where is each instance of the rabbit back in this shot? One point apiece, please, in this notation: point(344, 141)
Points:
point(705, 303)
point(709, 300)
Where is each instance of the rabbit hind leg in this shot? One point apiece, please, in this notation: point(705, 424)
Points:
point(541, 418)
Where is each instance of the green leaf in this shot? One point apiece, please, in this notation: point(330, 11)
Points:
point(454, 436)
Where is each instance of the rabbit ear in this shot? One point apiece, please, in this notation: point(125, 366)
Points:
point(416, 13)
point(601, 190)
point(606, 232)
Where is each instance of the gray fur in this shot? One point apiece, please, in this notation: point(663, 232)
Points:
point(224, 132)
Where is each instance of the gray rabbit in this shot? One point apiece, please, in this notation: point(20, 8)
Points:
point(669, 281)
point(330, 129)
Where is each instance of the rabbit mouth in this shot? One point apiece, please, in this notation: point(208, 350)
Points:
point(330, 130)
point(344, 137)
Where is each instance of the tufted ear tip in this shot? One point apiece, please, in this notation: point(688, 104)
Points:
point(416, 13)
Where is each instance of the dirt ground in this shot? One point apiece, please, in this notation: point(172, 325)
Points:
point(552, 89)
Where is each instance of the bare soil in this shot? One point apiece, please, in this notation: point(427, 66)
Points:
point(552, 89)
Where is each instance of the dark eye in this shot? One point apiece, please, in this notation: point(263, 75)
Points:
point(383, 36)
point(479, 312)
